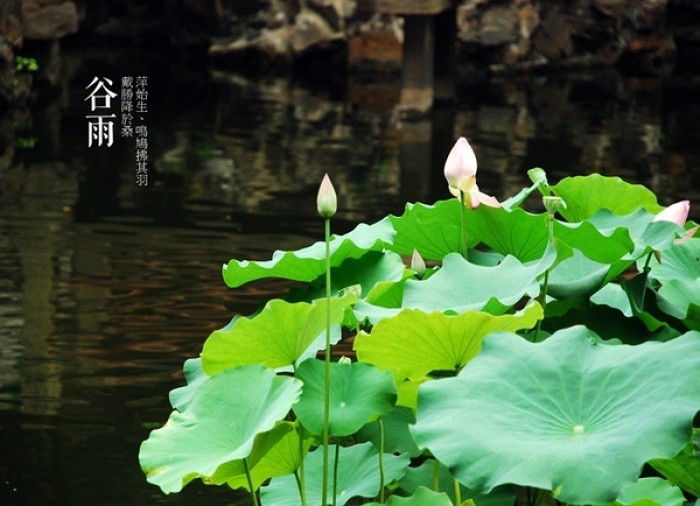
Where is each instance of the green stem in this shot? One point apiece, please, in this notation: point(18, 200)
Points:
point(381, 460)
point(462, 245)
point(458, 492)
point(543, 295)
point(250, 482)
point(302, 474)
point(327, 389)
point(335, 470)
point(436, 476)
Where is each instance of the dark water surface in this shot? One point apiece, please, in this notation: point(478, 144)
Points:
point(107, 287)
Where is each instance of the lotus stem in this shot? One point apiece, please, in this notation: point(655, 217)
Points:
point(253, 495)
point(327, 389)
point(381, 460)
point(458, 492)
point(302, 475)
point(335, 471)
point(462, 244)
point(436, 476)
point(543, 295)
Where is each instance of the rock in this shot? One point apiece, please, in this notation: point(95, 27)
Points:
point(493, 26)
point(48, 22)
point(380, 49)
point(310, 29)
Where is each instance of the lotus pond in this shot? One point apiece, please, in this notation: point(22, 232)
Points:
point(499, 351)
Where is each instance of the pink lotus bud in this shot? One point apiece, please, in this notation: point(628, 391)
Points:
point(460, 166)
point(326, 200)
point(676, 213)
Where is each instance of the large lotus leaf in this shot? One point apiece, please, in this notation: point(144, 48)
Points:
point(424, 475)
point(682, 470)
point(586, 195)
point(397, 438)
point(601, 246)
point(275, 453)
point(278, 336)
point(571, 414)
point(372, 268)
point(680, 298)
point(432, 230)
point(181, 397)
point(460, 285)
point(422, 497)
point(359, 393)
point(414, 343)
point(650, 492)
point(219, 425)
point(358, 476)
point(309, 263)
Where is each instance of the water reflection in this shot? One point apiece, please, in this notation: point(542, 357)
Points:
point(105, 287)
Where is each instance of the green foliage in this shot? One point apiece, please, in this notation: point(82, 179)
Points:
point(27, 64)
point(557, 356)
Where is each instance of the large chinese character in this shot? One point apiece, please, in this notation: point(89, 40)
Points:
point(100, 97)
point(100, 130)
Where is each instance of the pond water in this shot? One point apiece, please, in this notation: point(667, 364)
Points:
point(107, 287)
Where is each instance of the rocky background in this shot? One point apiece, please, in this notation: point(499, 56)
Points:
point(648, 36)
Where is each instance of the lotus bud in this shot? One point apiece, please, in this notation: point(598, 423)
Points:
point(676, 213)
point(344, 360)
point(326, 200)
point(417, 263)
point(460, 166)
point(553, 204)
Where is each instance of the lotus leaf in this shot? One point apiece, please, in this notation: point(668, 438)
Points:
point(309, 263)
point(278, 336)
point(586, 195)
point(219, 425)
point(571, 414)
point(414, 343)
point(359, 393)
point(358, 476)
point(650, 491)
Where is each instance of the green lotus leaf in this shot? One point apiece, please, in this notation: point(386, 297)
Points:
point(586, 195)
point(278, 336)
point(397, 438)
point(539, 182)
point(576, 277)
point(460, 285)
point(571, 414)
point(309, 263)
point(682, 470)
point(681, 299)
point(359, 393)
point(181, 397)
point(681, 261)
point(372, 268)
point(424, 475)
point(650, 491)
point(433, 230)
point(422, 497)
point(602, 246)
point(518, 233)
point(274, 453)
point(219, 425)
point(358, 476)
point(414, 343)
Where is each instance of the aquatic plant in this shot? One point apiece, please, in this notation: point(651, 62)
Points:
point(531, 354)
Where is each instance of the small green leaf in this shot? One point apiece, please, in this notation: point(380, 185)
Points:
point(219, 425)
point(359, 393)
point(654, 490)
point(422, 497)
point(275, 453)
point(397, 438)
point(358, 476)
point(682, 470)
